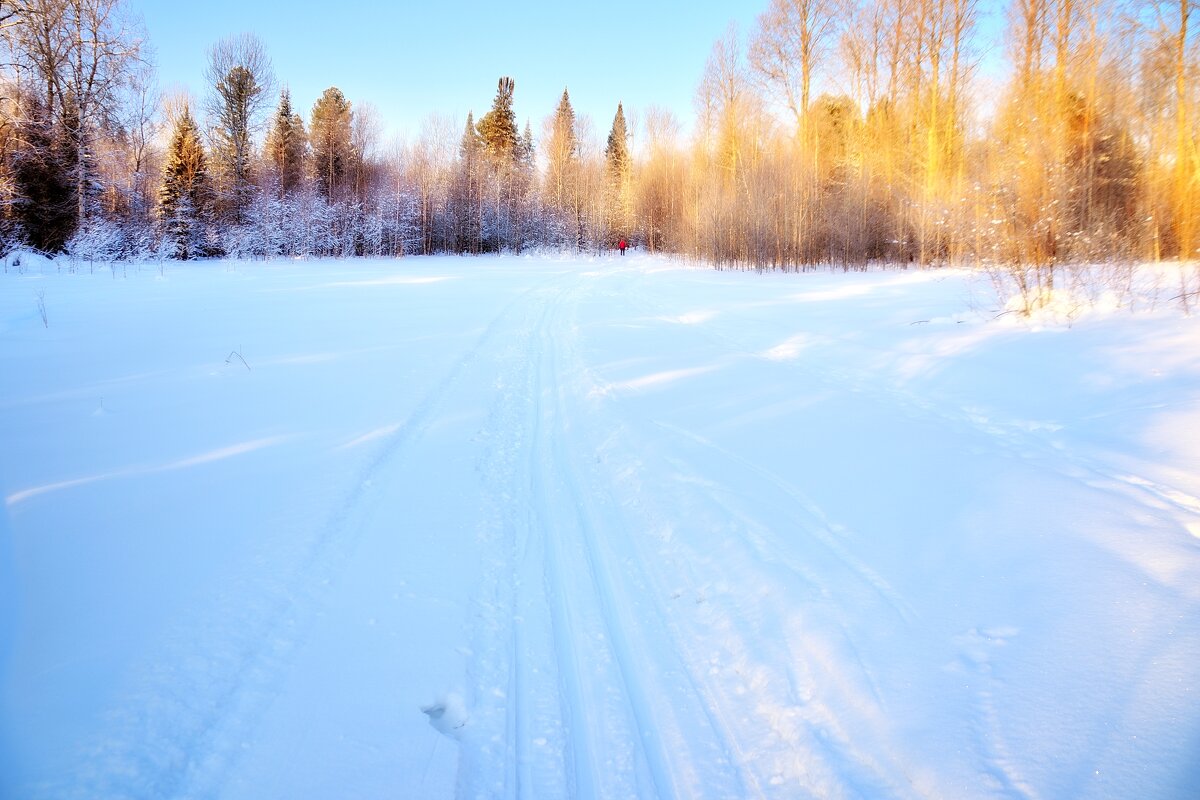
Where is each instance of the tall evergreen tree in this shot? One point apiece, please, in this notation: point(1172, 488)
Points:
point(44, 207)
point(501, 149)
point(240, 76)
point(616, 152)
point(562, 158)
point(524, 190)
point(184, 198)
point(618, 165)
point(231, 140)
point(525, 155)
point(286, 146)
point(330, 132)
point(466, 192)
point(498, 128)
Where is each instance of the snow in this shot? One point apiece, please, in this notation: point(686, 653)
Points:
point(602, 527)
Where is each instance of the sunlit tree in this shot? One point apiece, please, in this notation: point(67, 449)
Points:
point(185, 197)
point(240, 79)
point(286, 148)
point(333, 155)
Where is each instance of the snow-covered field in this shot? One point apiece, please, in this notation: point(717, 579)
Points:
point(522, 527)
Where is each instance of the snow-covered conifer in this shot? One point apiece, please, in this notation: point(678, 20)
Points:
point(185, 195)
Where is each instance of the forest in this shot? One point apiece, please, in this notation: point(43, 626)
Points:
point(835, 132)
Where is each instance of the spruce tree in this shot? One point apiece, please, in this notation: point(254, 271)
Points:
point(619, 175)
point(465, 199)
point(524, 190)
point(330, 136)
point(562, 158)
point(286, 146)
point(525, 155)
point(185, 195)
point(616, 153)
point(41, 172)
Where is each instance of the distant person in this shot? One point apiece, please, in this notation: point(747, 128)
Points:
point(621, 245)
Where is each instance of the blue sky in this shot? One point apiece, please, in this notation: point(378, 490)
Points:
point(445, 56)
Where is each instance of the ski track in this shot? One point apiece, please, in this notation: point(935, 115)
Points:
point(628, 641)
point(740, 659)
point(177, 736)
point(741, 703)
point(577, 715)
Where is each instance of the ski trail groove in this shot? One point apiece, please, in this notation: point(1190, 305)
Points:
point(177, 735)
point(738, 655)
point(519, 747)
point(583, 702)
point(669, 721)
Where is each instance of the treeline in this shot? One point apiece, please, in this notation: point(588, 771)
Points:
point(1088, 152)
point(836, 131)
point(95, 164)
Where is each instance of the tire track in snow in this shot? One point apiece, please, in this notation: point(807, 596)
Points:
point(539, 724)
point(581, 707)
point(180, 734)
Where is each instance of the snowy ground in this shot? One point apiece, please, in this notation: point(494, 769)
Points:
point(509, 527)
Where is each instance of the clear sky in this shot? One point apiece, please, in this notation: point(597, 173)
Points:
point(444, 56)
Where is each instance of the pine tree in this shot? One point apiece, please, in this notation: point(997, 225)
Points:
point(501, 147)
point(237, 93)
point(286, 146)
point(185, 195)
point(240, 77)
point(330, 135)
point(498, 128)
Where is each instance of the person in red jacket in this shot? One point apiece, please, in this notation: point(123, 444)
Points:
point(621, 245)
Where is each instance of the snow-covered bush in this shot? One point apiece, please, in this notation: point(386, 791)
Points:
point(98, 239)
